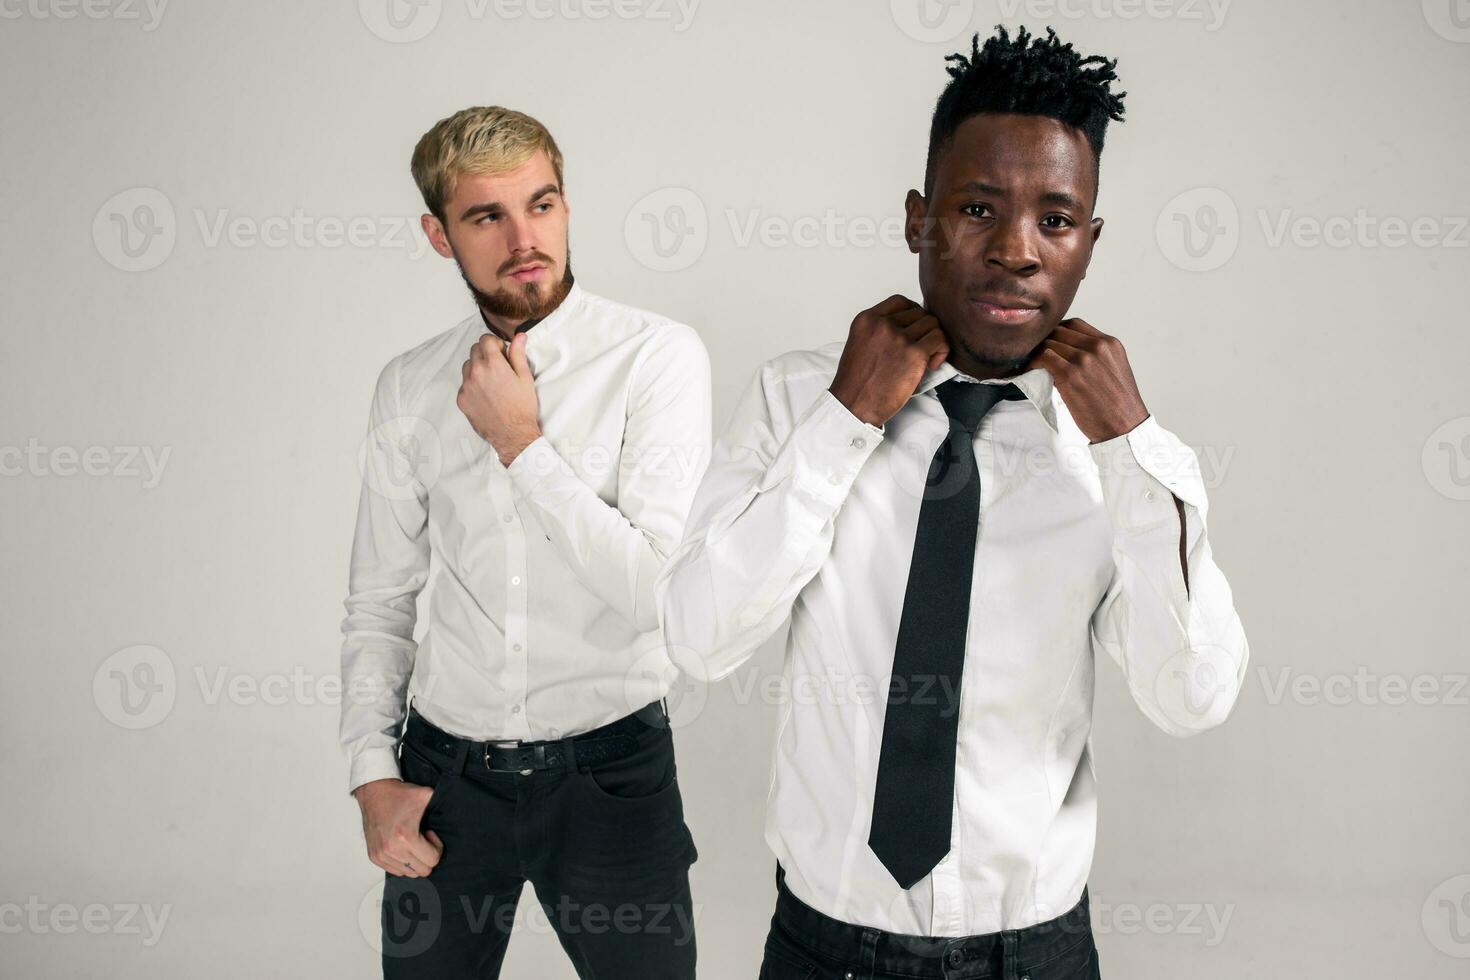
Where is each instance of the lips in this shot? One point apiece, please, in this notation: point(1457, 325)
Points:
point(1007, 302)
point(527, 272)
point(1006, 310)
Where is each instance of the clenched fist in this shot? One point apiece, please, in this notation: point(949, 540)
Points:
point(498, 395)
point(889, 347)
point(1092, 374)
point(391, 813)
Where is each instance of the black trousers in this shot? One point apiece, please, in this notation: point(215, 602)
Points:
point(804, 944)
point(605, 848)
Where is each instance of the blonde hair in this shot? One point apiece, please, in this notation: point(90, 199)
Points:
point(477, 140)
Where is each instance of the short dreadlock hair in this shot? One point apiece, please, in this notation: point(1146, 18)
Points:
point(1046, 78)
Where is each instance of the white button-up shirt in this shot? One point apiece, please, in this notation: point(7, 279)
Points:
point(541, 620)
point(808, 512)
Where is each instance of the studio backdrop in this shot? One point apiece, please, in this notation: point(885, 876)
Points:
point(211, 246)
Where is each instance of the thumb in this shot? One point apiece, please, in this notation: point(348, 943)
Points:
point(517, 354)
point(433, 838)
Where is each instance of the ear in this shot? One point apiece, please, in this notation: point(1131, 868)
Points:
point(437, 236)
point(1096, 233)
point(918, 229)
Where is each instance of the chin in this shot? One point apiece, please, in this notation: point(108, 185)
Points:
point(1007, 359)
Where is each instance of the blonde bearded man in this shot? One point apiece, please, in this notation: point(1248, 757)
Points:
point(538, 460)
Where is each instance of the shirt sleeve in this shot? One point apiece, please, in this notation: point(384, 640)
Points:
point(1182, 648)
point(617, 552)
point(390, 563)
point(761, 526)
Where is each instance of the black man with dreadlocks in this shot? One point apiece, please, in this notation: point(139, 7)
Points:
point(957, 508)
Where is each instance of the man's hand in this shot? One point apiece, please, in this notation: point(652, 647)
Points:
point(889, 347)
point(498, 395)
point(1090, 370)
point(391, 811)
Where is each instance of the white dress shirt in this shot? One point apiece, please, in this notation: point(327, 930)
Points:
point(806, 511)
point(541, 620)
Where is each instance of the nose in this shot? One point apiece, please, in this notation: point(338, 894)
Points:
point(1012, 246)
point(520, 236)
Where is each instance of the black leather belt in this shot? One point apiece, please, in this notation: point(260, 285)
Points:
point(615, 740)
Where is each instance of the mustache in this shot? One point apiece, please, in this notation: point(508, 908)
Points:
point(523, 260)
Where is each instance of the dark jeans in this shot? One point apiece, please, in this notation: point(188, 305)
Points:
point(805, 944)
point(605, 848)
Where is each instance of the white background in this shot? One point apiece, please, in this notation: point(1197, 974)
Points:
point(1321, 378)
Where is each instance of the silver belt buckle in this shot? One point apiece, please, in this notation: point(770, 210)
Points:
point(510, 744)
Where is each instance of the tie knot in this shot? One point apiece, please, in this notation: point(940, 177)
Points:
point(966, 402)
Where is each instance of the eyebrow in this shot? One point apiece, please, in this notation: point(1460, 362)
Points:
point(495, 207)
point(1049, 197)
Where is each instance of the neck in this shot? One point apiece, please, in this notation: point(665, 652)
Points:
point(504, 327)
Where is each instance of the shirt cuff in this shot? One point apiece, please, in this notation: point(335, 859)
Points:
point(1142, 471)
point(371, 764)
point(536, 464)
point(828, 448)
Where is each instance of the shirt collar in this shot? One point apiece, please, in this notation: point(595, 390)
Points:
point(1036, 384)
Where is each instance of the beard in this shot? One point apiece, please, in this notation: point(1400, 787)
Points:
point(1003, 365)
point(526, 302)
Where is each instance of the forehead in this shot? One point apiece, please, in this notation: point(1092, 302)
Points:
point(1023, 153)
point(507, 188)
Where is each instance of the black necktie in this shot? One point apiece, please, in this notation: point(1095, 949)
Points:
point(914, 795)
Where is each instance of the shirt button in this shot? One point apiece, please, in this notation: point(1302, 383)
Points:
point(1148, 495)
point(515, 580)
point(859, 442)
point(834, 479)
point(516, 647)
point(516, 710)
point(507, 518)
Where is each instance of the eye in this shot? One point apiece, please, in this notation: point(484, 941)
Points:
point(486, 217)
point(1066, 222)
point(543, 207)
point(970, 209)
